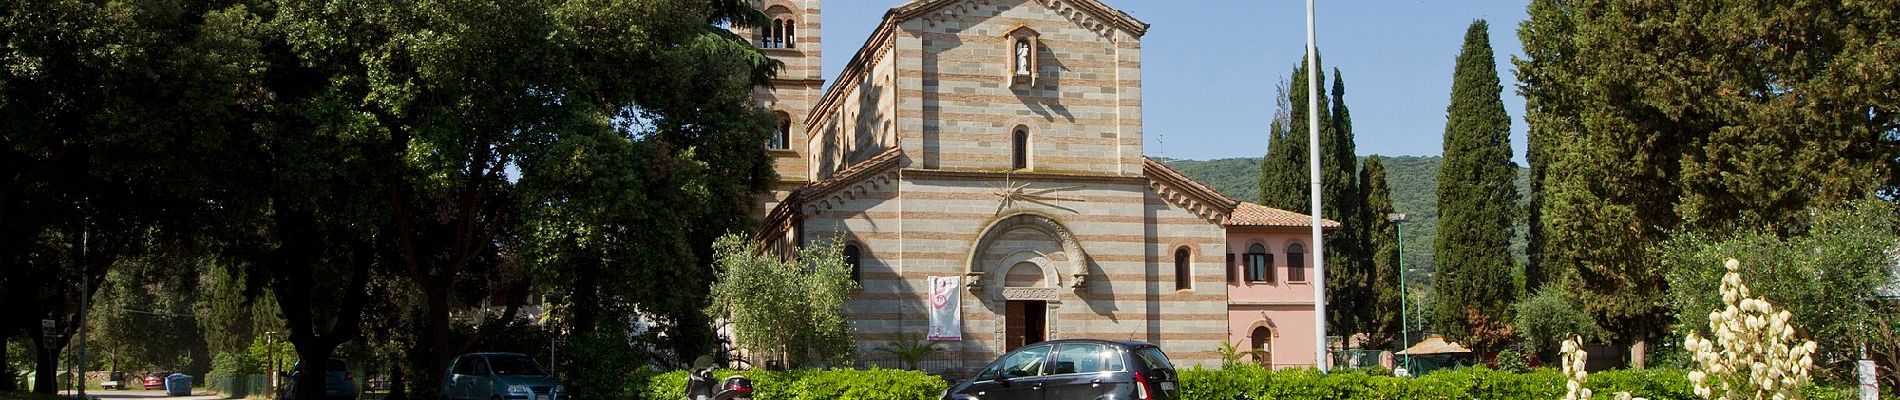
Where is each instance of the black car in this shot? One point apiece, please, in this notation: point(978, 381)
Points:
point(1074, 369)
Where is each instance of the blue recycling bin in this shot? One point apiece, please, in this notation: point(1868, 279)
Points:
point(178, 385)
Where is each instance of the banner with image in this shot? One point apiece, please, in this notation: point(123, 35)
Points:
point(946, 318)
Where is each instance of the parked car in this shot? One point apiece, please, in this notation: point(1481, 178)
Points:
point(499, 376)
point(338, 382)
point(114, 381)
point(155, 380)
point(1074, 369)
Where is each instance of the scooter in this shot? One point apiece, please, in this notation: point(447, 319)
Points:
point(700, 386)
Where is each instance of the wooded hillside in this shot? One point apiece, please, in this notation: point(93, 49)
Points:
point(1414, 181)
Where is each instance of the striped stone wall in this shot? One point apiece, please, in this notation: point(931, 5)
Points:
point(929, 223)
point(793, 94)
point(1083, 111)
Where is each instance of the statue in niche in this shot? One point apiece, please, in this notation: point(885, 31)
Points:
point(1022, 57)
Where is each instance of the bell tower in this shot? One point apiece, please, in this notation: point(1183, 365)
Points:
point(790, 35)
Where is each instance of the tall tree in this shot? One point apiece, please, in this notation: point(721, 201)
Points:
point(1283, 177)
point(1348, 266)
point(103, 107)
point(1473, 286)
point(1649, 117)
point(1383, 306)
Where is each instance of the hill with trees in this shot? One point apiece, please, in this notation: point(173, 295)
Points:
point(1414, 182)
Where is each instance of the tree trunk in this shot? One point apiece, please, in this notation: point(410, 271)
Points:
point(45, 377)
point(312, 369)
point(1636, 353)
point(396, 389)
point(7, 378)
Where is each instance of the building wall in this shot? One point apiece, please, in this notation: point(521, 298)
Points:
point(1083, 111)
point(1286, 308)
point(793, 93)
point(929, 224)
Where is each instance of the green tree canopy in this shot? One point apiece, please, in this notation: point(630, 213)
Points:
point(1477, 197)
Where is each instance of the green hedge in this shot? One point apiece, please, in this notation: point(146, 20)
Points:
point(805, 384)
point(1253, 381)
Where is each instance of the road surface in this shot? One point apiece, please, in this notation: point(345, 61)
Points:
point(140, 394)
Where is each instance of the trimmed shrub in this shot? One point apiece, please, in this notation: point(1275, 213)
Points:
point(1241, 379)
point(808, 384)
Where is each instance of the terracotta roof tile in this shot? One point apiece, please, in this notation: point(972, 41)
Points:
point(1250, 214)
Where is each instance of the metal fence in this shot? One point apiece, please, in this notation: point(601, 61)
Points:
point(239, 386)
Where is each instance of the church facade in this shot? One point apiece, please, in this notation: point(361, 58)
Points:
point(1000, 142)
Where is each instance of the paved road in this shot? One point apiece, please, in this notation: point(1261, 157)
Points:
point(138, 394)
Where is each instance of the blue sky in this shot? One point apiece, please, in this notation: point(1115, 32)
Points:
point(1209, 66)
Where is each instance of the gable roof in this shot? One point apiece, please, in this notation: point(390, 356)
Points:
point(1250, 214)
point(1231, 212)
point(782, 215)
point(1092, 8)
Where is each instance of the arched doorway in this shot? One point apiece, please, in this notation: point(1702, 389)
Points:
point(1261, 346)
point(1026, 320)
point(1022, 268)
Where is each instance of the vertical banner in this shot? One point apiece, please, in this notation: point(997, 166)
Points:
point(946, 316)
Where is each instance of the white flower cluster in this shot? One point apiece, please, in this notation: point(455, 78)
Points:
point(1575, 359)
point(1755, 354)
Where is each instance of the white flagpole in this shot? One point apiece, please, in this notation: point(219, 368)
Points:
point(1312, 161)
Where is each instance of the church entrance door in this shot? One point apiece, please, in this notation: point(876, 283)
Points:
point(1027, 323)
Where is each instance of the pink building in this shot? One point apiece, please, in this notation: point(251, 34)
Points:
point(1269, 286)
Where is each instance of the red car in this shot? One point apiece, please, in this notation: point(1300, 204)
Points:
point(156, 380)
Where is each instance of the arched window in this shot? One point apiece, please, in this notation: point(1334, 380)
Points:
point(782, 137)
point(1262, 346)
point(1295, 263)
point(1183, 275)
point(851, 258)
point(788, 38)
point(1020, 147)
point(1259, 264)
point(781, 33)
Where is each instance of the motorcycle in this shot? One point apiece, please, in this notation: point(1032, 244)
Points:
point(700, 385)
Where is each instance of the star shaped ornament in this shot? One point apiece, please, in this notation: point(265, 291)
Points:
point(1011, 192)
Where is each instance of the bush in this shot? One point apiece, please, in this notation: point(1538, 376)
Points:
point(1242, 379)
point(807, 384)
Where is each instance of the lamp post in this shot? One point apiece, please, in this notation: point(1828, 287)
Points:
point(547, 306)
point(270, 354)
point(1405, 325)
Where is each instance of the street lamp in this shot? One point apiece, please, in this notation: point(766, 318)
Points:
point(1405, 325)
point(270, 353)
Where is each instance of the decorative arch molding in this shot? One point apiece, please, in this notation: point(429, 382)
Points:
point(1076, 260)
point(1264, 322)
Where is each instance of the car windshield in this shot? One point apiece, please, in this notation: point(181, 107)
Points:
point(514, 365)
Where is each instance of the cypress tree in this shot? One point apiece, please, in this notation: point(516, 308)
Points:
point(1347, 264)
point(1383, 306)
point(1473, 286)
point(1284, 180)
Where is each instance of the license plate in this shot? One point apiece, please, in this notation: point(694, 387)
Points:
point(1167, 386)
point(541, 397)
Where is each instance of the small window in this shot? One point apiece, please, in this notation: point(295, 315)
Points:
point(1295, 263)
point(1183, 275)
point(1259, 264)
point(782, 137)
point(1020, 147)
point(851, 259)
